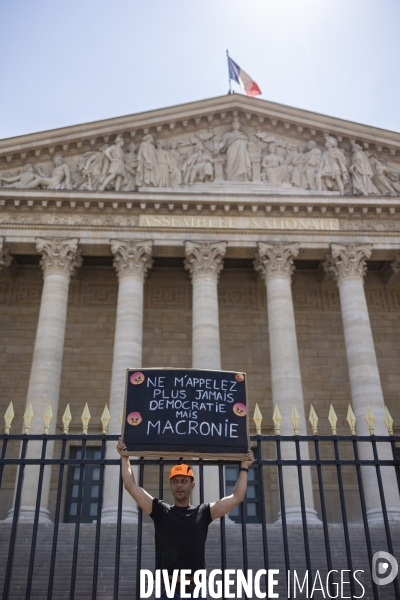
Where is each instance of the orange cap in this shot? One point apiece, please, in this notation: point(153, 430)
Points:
point(182, 470)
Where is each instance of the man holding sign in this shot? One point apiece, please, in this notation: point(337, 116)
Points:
point(181, 529)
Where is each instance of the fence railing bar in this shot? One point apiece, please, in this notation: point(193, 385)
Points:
point(222, 524)
point(201, 477)
point(243, 509)
point(98, 523)
point(283, 512)
point(395, 458)
point(365, 519)
point(13, 534)
point(78, 519)
point(3, 456)
point(324, 517)
point(304, 517)
point(56, 521)
point(384, 511)
point(118, 536)
point(35, 524)
point(344, 514)
point(263, 515)
point(139, 534)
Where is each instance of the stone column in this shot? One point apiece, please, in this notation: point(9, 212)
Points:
point(5, 256)
point(132, 259)
point(204, 263)
point(59, 259)
point(275, 263)
point(347, 265)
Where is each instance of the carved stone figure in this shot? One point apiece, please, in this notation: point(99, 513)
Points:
point(235, 145)
point(333, 169)
point(116, 167)
point(60, 177)
point(312, 162)
point(297, 164)
point(147, 169)
point(91, 168)
point(199, 166)
point(384, 177)
point(164, 167)
point(274, 168)
point(175, 161)
point(26, 176)
point(361, 173)
point(131, 163)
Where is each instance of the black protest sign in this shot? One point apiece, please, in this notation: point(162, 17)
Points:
point(185, 412)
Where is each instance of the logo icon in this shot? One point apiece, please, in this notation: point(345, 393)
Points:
point(384, 568)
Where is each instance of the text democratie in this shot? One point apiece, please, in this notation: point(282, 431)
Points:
point(224, 585)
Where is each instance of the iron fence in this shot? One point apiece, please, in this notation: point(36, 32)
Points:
point(268, 456)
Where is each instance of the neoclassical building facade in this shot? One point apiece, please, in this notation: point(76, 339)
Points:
point(230, 233)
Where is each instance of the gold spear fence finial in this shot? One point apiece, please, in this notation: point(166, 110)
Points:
point(388, 421)
point(8, 417)
point(332, 418)
point(66, 418)
point(257, 418)
point(351, 419)
point(105, 419)
point(313, 418)
point(28, 416)
point(369, 417)
point(47, 417)
point(86, 416)
point(295, 418)
point(277, 419)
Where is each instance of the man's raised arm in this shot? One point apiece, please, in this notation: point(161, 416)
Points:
point(222, 507)
point(143, 499)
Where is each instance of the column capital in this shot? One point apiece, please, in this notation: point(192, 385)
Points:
point(395, 264)
point(5, 256)
point(204, 258)
point(132, 257)
point(59, 255)
point(347, 261)
point(276, 260)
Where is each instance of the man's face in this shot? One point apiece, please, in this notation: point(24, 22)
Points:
point(181, 487)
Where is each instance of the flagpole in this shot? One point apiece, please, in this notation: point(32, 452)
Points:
point(230, 85)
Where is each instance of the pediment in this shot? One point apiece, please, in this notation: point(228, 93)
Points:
point(230, 143)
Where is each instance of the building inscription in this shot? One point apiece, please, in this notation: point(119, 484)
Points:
point(201, 222)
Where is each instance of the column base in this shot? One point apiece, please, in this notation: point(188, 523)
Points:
point(110, 515)
point(27, 515)
point(375, 516)
point(294, 517)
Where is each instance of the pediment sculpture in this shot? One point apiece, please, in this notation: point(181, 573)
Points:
point(216, 157)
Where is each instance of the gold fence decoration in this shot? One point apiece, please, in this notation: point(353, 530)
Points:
point(86, 416)
point(8, 418)
point(105, 418)
point(47, 417)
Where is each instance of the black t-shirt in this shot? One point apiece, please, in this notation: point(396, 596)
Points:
point(180, 535)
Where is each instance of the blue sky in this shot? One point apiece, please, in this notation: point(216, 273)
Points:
point(69, 62)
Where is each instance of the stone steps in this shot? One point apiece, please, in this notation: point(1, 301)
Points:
point(127, 578)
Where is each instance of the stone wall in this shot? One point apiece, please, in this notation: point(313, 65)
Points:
point(167, 338)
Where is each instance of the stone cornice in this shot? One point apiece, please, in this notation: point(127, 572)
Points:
point(199, 201)
point(186, 115)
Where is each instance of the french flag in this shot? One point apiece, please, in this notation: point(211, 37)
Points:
point(247, 84)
